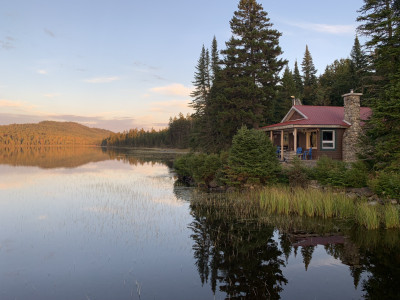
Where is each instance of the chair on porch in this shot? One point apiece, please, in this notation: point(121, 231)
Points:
point(299, 152)
point(278, 151)
point(307, 154)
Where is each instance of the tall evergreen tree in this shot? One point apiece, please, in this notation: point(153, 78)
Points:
point(286, 91)
point(246, 86)
point(215, 61)
point(201, 83)
point(298, 81)
point(359, 66)
point(309, 78)
point(380, 24)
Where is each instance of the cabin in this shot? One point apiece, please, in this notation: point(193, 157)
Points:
point(310, 132)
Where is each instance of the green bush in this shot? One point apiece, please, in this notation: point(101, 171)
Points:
point(356, 175)
point(297, 174)
point(330, 172)
point(200, 168)
point(386, 184)
point(252, 158)
point(338, 173)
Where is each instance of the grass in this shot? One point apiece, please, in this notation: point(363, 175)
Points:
point(286, 201)
point(307, 202)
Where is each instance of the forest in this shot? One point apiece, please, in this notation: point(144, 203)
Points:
point(249, 83)
point(48, 133)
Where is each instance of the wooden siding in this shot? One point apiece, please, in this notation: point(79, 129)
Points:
point(296, 116)
point(334, 153)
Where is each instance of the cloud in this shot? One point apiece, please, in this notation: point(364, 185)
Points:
point(172, 106)
point(15, 104)
point(175, 89)
point(102, 79)
point(42, 72)
point(325, 28)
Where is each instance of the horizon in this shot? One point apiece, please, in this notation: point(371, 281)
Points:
point(129, 64)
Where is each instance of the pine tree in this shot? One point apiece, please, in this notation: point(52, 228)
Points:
point(286, 91)
point(201, 83)
point(309, 78)
point(380, 24)
point(247, 83)
point(298, 81)
point(215, 61)
point(359, 66)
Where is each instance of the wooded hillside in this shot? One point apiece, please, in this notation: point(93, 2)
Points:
point(51, 133)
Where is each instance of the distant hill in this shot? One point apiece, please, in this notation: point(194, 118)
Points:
point(51, 133)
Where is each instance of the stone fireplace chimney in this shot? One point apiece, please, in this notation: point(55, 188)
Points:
point(295, 101)
point(351, 117)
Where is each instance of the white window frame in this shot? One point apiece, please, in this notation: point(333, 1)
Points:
point(324, 142)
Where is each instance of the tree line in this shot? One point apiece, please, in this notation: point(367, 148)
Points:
point(176, 135)
point(249, 83)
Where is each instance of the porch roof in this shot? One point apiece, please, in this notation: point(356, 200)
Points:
point(316, 116)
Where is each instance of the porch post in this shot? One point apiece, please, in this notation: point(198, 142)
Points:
point(295, 139)
point(271, 137)
point(281, 144)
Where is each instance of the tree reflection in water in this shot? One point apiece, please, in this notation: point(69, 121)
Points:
point(244, 259)
point(240, 258)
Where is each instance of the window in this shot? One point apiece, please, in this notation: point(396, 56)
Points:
point(311, 139)
point(328, 139)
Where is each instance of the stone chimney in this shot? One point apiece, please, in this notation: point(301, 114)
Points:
point(352, 134)
point(295, 101)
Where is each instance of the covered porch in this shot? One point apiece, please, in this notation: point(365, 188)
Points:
point(295, 142)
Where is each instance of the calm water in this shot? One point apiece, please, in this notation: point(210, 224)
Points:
point(92, 224)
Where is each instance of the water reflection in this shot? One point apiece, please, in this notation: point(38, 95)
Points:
point(73, 157)
point(255, 260)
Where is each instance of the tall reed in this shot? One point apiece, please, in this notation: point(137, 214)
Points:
point(391, 216)
point(367, 215)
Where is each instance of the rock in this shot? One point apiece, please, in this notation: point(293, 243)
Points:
point(230, 189)
point(361, 192)
point(352, 195)
point(393, 201)
point(212, 184)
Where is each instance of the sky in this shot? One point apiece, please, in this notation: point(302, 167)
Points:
point(126, 64)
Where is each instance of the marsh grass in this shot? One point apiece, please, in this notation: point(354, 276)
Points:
point(367, 215)
point(281, 200)
point(391, 216)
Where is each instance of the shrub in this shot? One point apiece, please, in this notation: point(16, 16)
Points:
point(356, 175)
point(338, 173)
point(200, 168)
point(252, 158)
point(297, 174)
point(386, 184)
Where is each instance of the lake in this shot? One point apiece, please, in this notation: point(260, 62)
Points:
point(87, 223)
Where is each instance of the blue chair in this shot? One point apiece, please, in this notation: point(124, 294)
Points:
point(299, 152)
point(278, 151)
point(307, 153)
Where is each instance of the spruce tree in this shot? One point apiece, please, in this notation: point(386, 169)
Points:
point(380, 24)
point(247, 87)
point(298, 81)
point(286, 91)
point(201, 83)
point(309, 78)
point(359, 66)
point(215, 61)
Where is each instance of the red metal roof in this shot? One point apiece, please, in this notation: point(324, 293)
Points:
point(321, 115)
